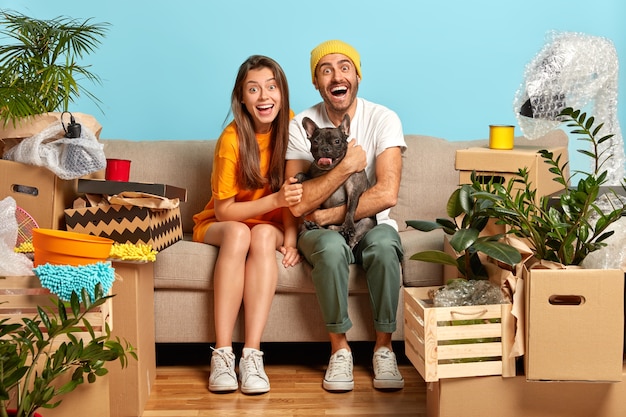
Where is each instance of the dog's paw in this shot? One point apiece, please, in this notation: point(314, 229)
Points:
point(311, 225)
point(348, 233)
point(301, 177)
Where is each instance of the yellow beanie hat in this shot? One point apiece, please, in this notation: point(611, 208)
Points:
point(334, 47)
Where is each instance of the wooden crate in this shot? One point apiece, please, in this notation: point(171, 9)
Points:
point(20, 296)
point(454, 342)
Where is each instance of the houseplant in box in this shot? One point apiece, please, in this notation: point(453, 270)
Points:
point(568, 227)
point(573, 315)
point(468, 218)
point(31, 363)
point(435, 348)
point(41, 71)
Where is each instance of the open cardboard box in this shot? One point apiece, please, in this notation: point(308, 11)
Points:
point(502, 165)
point(38, 191)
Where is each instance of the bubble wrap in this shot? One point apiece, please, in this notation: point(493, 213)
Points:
point(468, 293)
point(11, 263)
point(573, 70)
point(68, 158)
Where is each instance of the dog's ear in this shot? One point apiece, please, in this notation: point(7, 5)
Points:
point(310, 127)
point(345, 125)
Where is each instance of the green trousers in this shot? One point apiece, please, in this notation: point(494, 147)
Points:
point(379, 252)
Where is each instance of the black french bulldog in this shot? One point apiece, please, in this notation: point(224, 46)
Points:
point(329, 147)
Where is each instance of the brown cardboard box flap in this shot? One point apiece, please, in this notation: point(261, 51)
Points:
point(30, 126)
point(144, 200)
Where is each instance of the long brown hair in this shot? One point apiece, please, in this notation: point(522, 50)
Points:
point(249, 176)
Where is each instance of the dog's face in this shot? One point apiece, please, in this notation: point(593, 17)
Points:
point(328, 145)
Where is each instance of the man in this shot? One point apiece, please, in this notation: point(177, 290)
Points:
point(377, 143)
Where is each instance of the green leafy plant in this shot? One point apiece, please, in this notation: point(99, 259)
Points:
point(469, 216)
point(31, 363)
point(567, 227)
point(41, 71)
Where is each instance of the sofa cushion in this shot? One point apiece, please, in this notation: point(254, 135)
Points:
point(188, 265)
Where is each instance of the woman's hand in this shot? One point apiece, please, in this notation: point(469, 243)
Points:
point(291, 256)
point(290, 193)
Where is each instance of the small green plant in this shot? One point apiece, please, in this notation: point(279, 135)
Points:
point(30, 362)
point(40, 72)
point(468, 218)
point(567, 227)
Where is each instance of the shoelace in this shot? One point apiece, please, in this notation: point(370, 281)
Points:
point(385, 363)
point(223, 366)
point(252, 363)
point(339, 365)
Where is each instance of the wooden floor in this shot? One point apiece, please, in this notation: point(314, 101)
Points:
point(296, 389)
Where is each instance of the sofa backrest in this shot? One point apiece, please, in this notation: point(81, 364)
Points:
point(181, 163)
point(428, 173)
point(429, 176)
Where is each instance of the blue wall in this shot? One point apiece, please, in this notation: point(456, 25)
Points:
point(448, 68)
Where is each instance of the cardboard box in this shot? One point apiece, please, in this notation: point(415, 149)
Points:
point(134, 321)
point(454, 342)
point(20, 296)
point(491, 396)
point(502, 165)
point(121, 223)
point(574, 324)
point(93, 186)
point(38, 191)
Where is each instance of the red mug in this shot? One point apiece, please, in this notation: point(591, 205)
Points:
point(117, 170)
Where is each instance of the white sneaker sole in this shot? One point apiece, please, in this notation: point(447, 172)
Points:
point(258, 390)
point(388, 384)
point(338, 385)
point(223, 388)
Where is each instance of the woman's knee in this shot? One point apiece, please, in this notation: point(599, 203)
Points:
point(233, 236)
point(265, 237)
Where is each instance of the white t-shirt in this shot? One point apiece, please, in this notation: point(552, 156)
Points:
point(375, 128)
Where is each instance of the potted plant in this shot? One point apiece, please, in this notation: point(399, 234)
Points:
point(567, 227)
point(445, 346)
point(573, 315)
point(31, 363)
point(41, 71)
point(468, 217)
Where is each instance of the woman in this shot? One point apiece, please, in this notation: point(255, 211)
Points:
point(248, 218)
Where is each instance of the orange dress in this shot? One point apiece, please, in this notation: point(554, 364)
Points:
point(224, 182)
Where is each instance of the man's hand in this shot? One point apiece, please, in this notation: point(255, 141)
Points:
point(355, 159)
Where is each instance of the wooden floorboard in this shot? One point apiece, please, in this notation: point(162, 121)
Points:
point(296, 388)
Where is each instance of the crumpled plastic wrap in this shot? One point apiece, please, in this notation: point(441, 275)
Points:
point(462, 292)
point(573, 70)
point(613, 255)
point(68, 158)
point(11, 263)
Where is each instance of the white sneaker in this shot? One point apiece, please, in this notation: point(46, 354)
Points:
point(386, 373)
point(339, 372)
point(223, 377)
point(253, 378)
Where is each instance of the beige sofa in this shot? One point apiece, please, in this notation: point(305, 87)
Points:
point(183, 281)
